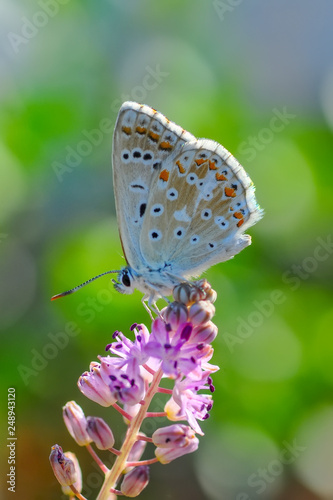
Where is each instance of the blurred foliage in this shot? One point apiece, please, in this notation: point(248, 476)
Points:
point(220, 76)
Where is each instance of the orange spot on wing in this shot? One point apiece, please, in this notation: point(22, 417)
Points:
point(200, 161)
point(230, 192)
point(238, 215)
point(220, 177)
point(165, 145)
point(164, 175)
point(212, 165)
point(127, 130)
point(180, 167)
point(240, 222)
point(155, 137)
point(141, 130)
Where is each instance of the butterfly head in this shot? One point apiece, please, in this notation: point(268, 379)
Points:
point(126, 281)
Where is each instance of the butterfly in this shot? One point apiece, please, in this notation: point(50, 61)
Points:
point(183, 204)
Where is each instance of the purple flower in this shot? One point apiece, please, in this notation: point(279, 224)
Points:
point(126, 386)
point(174, 441)
point(63, 467)
point(129, 350)
point(178, 355)
point(100, 433)
point(135, 481)
point(76, 423)
point(78, 483)
point(93, 386)
point(191, 405)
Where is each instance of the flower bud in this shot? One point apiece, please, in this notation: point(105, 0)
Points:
point(76, 423)
point(201, 312)
point(197, 293)
point(136, 452)
point(127, 386)
point(135, 481)
point(93, 386)
point(211, 296)
point(172, 410)
point(174, 441)
point(204, 333)
point(175, 314)
point(63, 467)
point(78, 483)
point(182, 293)
point(204, 285)
point(100, 433)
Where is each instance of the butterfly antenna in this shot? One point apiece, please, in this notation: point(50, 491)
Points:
point(80, 286)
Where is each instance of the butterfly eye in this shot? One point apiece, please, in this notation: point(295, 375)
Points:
point(126, 280)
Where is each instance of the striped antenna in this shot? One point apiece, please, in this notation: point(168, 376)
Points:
point(80, 286)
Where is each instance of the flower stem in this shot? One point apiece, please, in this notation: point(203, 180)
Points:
point(142, 462)
point(144, 438)
point(119, 465)
point(76, 493)
point(97, 459)
point(164, 391)
point(122, 412)
point(156, 414)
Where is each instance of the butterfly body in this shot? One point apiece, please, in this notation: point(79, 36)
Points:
point(182, 203)
point(154, 283)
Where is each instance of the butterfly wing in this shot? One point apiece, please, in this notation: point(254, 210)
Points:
point(198, 210)
point(143, 140)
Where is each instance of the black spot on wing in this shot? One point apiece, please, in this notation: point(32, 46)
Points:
point(143, 207)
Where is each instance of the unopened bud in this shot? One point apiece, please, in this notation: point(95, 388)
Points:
point(100, 433)
point(211, 296)
point(204, 333)
point(137, 450)
point(78, 483)
point(197, 293)
point(63, 467)
point(172, 410)
point(174, 441)
point(76, 423)
point(201, 312)
point(175, 314)
point(182, 293)
point(135, 481)
point(204, 285)
point(93, 386)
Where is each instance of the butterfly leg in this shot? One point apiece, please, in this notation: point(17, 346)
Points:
point(147, 307)
point(153, 305)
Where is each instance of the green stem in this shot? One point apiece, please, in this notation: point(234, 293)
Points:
point(112, 476)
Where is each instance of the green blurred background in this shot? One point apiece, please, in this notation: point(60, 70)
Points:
point(255, 76)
